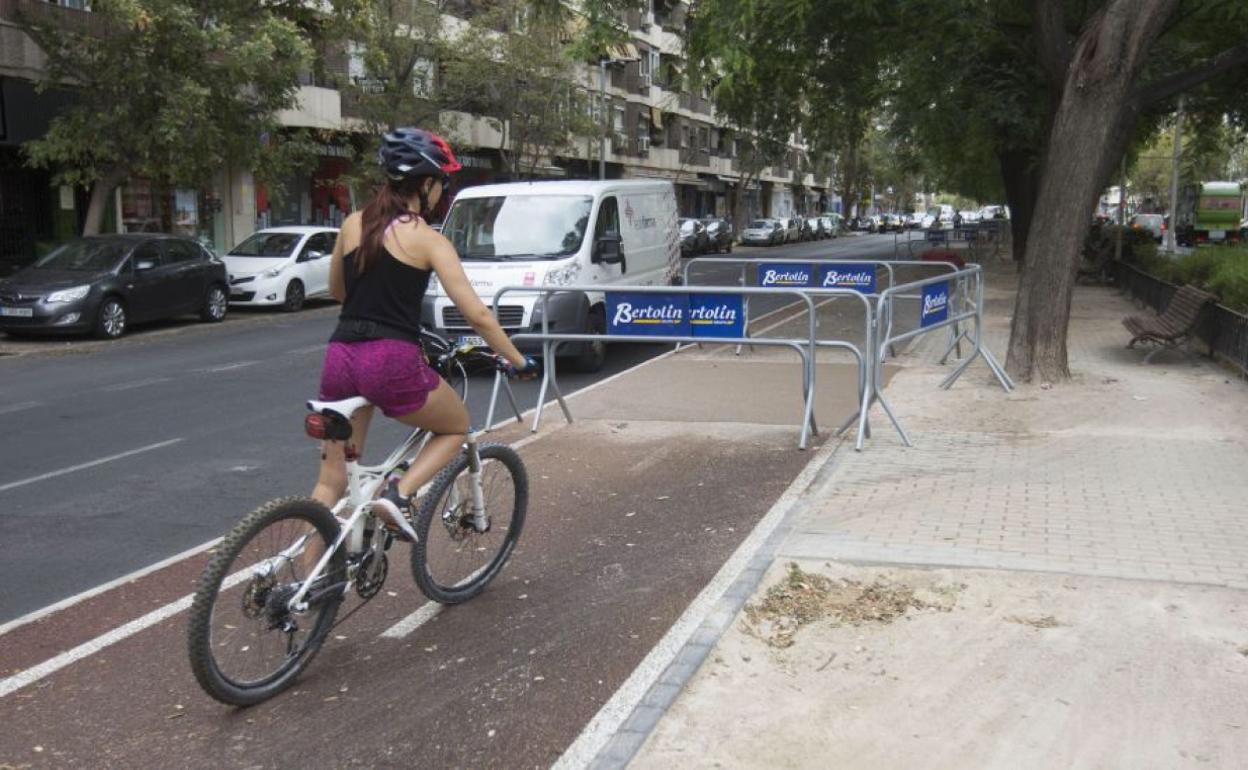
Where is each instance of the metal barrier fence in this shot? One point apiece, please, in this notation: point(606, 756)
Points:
point(946, 300)
point(805, 347)
point(958, 278)
point(815, 265)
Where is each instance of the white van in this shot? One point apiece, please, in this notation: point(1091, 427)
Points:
point(612, 232)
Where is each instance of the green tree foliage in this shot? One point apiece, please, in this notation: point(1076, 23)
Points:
point(517, 69)
point(169, 90)
point(1046, 95)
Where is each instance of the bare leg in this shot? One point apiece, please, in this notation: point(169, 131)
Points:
point(331, 484)
point(445, 416)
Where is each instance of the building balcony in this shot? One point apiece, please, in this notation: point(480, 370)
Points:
point(315, 107)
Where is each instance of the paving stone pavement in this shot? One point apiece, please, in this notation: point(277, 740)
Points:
point(1126, 471)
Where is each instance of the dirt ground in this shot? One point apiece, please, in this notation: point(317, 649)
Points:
point(982, 669)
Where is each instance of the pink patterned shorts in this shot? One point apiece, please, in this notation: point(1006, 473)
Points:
point(392, 374)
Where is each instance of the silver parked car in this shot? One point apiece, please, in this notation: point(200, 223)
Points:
point(763, 232)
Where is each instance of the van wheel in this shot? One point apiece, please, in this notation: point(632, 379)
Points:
point(594, 356)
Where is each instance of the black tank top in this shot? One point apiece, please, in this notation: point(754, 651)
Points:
point(383, 302)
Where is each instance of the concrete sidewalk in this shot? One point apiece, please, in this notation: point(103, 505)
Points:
point(1087, 545)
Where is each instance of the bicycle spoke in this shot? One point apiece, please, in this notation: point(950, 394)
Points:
point(456, 552)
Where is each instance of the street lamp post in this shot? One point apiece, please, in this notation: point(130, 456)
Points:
point(602, 103)
point(603, 63)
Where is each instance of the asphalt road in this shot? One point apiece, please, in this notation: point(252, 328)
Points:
point(117, 456)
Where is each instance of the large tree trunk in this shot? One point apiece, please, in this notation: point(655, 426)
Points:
point(1087, 139)
point(1020, 176)
point(101, 196)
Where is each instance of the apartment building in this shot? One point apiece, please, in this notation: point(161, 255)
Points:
point(655, 128)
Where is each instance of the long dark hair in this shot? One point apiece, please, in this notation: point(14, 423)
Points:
point(388, 205)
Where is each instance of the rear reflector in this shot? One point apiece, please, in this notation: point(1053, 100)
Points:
point(314, 426)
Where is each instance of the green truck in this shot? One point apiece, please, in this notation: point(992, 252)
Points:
point(1210, 212)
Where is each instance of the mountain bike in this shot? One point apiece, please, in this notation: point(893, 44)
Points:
point(269, 597)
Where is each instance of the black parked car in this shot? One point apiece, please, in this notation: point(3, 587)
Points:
point(718, 235)
point(102, 284)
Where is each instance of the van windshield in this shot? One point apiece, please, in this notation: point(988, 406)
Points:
point(518, 226)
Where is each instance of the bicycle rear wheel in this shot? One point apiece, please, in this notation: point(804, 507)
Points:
point(452, 562)
point(245, 645)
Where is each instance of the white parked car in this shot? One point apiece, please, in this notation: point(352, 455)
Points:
point(281, 266)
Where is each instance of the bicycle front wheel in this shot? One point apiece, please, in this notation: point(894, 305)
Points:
point(453, 561)
point(245, 644)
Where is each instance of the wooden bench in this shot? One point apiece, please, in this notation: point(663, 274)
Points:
point(1172, 327)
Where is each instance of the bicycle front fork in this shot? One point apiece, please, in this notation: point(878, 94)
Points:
point(480, 521)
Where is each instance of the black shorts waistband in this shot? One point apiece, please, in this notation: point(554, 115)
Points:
point(360, 330)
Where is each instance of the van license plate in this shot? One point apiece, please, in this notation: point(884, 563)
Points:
point(474, 341)
point(17, 312)
point(1217, 235)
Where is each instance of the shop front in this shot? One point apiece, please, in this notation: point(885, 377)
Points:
point(319, 196)
point(149, 207)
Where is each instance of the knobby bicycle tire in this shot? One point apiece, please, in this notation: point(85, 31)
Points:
point(431, 506)
point(199, 633)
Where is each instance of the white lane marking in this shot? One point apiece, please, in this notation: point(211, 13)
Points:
point(130, 578)
point(309, 349)
point(20, 406)
point(621, 704)
point(407, 625)
point(226, 367)
point(795, 316)
point(137, 384)
point(56, 663)
point(84, 466)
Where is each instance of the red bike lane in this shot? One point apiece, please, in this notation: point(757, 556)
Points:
point(628, 522)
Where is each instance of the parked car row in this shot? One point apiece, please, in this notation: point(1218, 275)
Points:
point(104, 284)
point(775, 232)
point(705, 236)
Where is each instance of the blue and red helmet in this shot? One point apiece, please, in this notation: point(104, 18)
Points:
point(410, 152)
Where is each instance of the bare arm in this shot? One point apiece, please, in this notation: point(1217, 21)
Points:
point(445, 263)
point(338, 284)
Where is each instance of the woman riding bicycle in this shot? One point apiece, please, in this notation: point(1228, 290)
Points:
point(381, 266)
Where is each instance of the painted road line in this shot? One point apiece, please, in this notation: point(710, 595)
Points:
point(308, 349)
point(137, 384)
point(84, 466)
point(54, 664)
point(43, 612)
point(598, 732)
point(407, 625)
point(226, 367)
point(18, 407)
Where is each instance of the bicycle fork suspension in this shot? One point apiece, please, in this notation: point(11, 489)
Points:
point(480, 521)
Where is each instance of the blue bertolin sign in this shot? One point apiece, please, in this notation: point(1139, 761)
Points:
point(935, 306)
point(848, 275)
point(656, 315)
point(781, 274)
point(717, 315)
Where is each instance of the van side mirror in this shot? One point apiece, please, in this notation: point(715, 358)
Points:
point(608, 249)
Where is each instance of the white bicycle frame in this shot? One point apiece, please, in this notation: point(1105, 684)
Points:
point(363, 484)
